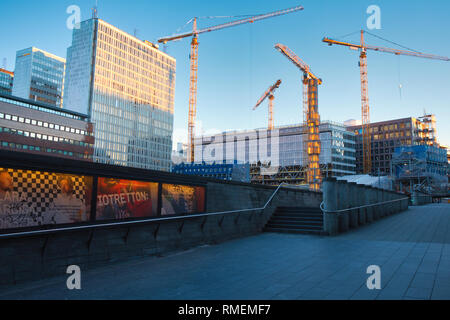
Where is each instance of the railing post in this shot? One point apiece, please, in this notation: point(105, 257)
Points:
point(369, 199)
point(353, 195)
point(361, 196)
point(343, 203)
point(330, 199)
point(378, 198)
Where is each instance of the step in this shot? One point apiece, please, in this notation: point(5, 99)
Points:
point(293, 223)
point(299, 215)
point(293, 226)
point(299, 209)
point(299, 231)
point(298, 218)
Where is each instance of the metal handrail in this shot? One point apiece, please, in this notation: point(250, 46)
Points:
point(360, 207)
point(92, 226)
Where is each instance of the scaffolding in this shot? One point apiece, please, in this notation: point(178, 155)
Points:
point(420, 168)
point(294, 175)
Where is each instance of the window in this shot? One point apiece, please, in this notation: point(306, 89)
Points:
point(33, 122)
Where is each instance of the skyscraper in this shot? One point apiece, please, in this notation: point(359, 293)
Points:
point(127, 87)
point(39, 76)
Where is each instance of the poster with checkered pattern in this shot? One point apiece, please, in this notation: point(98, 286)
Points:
point(33, 198)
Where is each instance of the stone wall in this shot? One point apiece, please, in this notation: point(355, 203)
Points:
point(341, 195)
point(31, 257)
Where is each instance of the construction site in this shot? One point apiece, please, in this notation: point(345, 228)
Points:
point(313, 150)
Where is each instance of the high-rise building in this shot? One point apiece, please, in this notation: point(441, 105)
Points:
point(39, 76)
point(387, 135)
point(6, 81)
point(278, 155)
point(127, 87)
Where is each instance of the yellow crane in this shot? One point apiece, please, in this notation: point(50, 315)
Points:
point(194, 62)
point(311, 117)
point(269, 93)
point(365, 109)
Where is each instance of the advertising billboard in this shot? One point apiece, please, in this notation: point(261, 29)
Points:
point(123, 199)
point(181, 199)
point(33, 198)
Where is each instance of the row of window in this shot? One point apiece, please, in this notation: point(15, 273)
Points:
point(135, 48)
point(42, 124)
point(45, 137)
point(47, 110)
point(12, 145)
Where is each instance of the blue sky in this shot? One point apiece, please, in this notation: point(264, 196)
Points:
point(238, 64)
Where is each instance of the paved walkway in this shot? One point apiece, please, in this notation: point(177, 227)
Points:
point(412, 249)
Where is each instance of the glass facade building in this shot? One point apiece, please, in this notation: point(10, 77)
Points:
point(6, 81)
point(284, 149)
point(127, 88)
point(39, 76)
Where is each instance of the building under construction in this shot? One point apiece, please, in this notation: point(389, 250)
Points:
point(421, 168)
point(385, 136)
point(278, 156)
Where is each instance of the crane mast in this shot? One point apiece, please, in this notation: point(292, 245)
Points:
point(365, 109)
point(269, 94)
point(311, 116)
point(194, 62)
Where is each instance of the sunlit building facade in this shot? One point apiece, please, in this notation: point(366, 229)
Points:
point(39, 76)
point(127, 88)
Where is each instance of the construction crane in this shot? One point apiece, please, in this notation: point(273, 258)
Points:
point(194, 62)
point(311, 118)
point(269, 93)
point(365, 109)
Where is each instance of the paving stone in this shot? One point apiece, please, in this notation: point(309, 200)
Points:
point(279, 266)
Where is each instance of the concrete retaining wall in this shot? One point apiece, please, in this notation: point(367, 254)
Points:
point(420, 199)
point(39, 256)
point(341, 195)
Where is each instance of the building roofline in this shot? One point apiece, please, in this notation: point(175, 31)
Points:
point(380, 122)
point(7, 72)
point(133, 37)
point(43, 105)
point(48, 54)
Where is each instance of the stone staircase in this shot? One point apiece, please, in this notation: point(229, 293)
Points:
point(301, 220)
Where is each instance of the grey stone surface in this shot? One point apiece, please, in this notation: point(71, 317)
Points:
point(29, 258)
point(412, 249)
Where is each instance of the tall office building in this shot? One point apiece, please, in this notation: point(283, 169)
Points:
point(127, 87)
point(6, 81)
point(39, 76)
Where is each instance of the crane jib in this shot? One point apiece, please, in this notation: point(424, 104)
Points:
point(232, 24)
